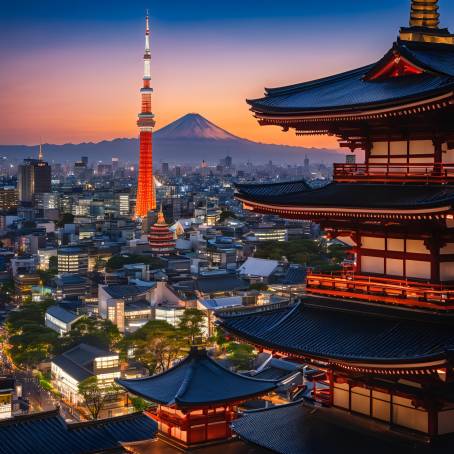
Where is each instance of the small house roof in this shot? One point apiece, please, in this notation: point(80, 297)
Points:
point(198, 380)
point(258, 267)
point(48, 433)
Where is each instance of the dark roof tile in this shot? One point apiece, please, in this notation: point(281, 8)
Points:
point(197, 380)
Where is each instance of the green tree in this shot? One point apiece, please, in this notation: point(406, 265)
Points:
point(220, 339)
point(118, 261)
point(226, 214)
point(191, 325)
point(306, 252)
point(53, 265)
point(96, 396)
point(156, 345)
point(94, 331)
point(241, 355)
point(139, 404)
point(65, 218)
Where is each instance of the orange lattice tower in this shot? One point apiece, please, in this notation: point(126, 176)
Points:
point(146, 199)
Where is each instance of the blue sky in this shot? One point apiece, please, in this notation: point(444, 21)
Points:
point(71, 70)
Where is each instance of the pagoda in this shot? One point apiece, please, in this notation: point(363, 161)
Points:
point(161, 238)
point(196, 399)
point(383, 332)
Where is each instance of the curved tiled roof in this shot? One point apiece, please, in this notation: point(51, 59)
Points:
point(197, 380)
point(47, 433)
point(354, 195)
point(326, 333)
point(351, 90)
point(298, 429)
point(281, 188)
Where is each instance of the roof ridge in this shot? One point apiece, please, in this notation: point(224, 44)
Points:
point(40, 415)
point(301, 401)
point(284, 317)
point(104, 421)
point(314, 82)
point(193, 356)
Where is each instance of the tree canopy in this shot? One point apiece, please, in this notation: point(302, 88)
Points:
point(241, 355)
point(306, 252)
point(158, 344)
point(118, 261)
point(93, 331)
point(96, 396)
point(30, 341)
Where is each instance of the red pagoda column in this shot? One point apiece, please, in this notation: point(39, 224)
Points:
point(146, 200)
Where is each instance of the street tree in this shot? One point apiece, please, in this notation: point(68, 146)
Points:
point(191, 325)
point(96, 396)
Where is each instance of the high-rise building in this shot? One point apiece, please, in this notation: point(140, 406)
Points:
point(165, 168)
point(72, 260)
point(115, 164)
point(8, 198)
point(146, 199)
point(33, 177)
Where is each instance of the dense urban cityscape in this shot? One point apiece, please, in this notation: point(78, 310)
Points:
point(300, 304)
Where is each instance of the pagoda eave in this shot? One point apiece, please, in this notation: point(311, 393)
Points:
point(420, 362)
point(428, 366)
point(321, 213)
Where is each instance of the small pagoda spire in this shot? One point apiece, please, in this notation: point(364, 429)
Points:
point(161, 218)
point(424, 13)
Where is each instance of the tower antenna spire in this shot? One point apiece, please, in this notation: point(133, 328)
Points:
point(40, 152)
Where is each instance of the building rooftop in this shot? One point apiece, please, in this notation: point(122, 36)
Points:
point(345, 332)
point(218, 303)
point(70, 250)
point(70, 279)
point(220, 283)
point(258, 267)
point(62, 314)
point(299, 429)
point(78, 361)
point(295, 275)
point(140, 305)
point(48, 433)
point(198, 380)
point(125, 291)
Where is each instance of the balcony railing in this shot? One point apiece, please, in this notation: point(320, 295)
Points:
point(441, 173)
point(382, 290)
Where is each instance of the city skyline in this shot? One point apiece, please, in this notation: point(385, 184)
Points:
point(76, 69)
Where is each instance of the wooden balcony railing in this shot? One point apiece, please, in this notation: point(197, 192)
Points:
point(382, 290)
point(441, 173)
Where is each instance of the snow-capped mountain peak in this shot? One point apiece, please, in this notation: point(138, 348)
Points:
point(193, 126)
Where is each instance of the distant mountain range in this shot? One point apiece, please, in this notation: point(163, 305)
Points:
point(190, 139)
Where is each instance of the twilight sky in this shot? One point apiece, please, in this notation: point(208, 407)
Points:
point(71, 71)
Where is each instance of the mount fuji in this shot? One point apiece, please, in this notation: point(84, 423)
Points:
point(193, 126)
point(188, 140)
